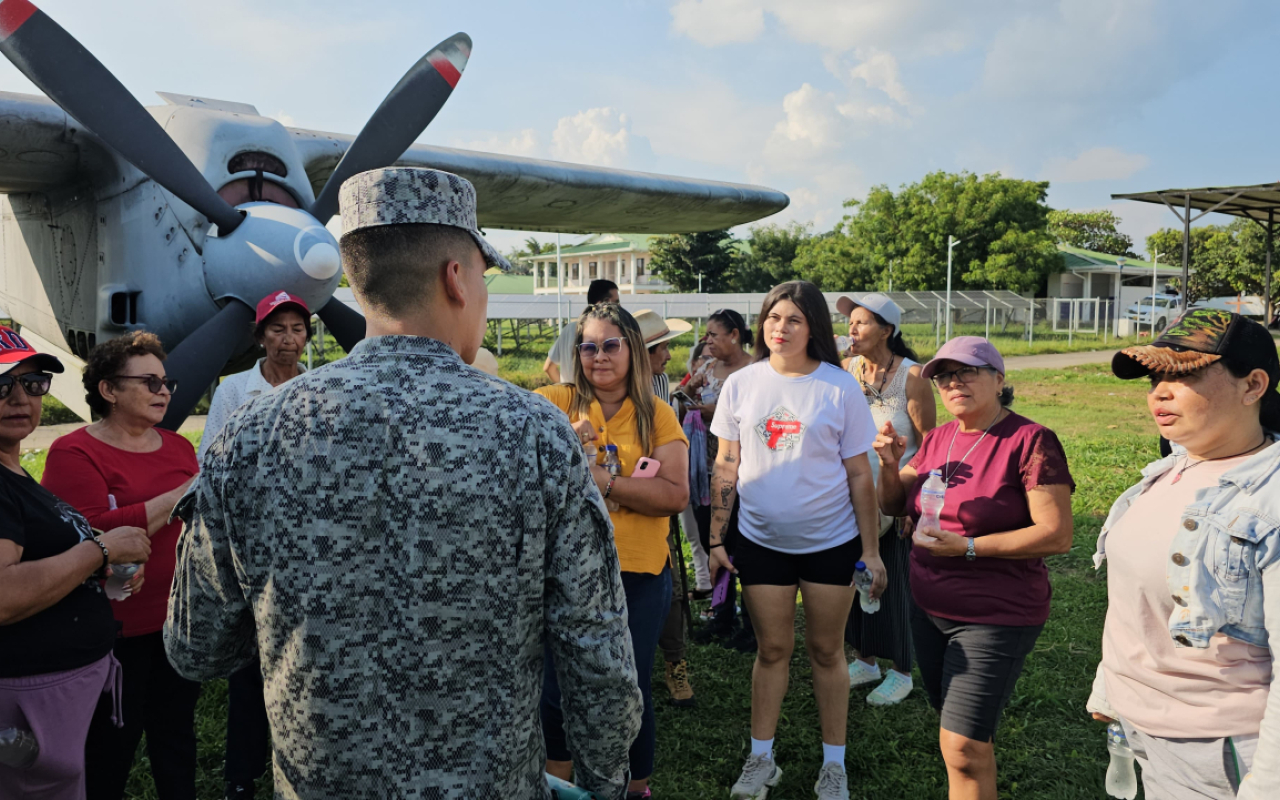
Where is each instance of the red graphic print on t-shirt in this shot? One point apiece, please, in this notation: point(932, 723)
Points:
point(781, 430)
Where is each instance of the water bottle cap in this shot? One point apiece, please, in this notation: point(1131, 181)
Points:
point(937, 472)
point(859, 566)
point(612, 448)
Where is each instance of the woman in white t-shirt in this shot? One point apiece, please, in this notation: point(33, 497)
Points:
point(794, 433)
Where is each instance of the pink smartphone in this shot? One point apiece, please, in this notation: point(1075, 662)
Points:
point(646, 468)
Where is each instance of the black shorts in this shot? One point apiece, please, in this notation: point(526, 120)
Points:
point(969, 670)
point(760, 566)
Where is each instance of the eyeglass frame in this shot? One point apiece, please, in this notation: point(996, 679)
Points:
point(8, 382)
point(165, 383)
point(944, 379)
point(601, 348)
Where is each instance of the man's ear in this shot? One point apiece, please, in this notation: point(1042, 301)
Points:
point(451, 275)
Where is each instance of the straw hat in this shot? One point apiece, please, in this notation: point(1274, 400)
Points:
point(485, 362)
point(657, 330)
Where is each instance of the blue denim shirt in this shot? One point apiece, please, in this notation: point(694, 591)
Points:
point(1226, 539)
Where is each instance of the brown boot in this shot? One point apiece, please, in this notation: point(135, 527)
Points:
point(678, 684)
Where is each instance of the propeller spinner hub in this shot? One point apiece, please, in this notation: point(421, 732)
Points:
point(275, 248)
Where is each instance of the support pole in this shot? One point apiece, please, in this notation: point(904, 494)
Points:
point(559, 288)
point(499, 337)
point(1186, 255)
point(1266, 298)
point(937, 324)
point(1031, 321)
point(988, 318)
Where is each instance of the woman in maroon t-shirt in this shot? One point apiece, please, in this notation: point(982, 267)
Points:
point(123, 470)
point(980, 585)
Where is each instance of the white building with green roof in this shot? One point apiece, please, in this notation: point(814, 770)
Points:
point(619, 257)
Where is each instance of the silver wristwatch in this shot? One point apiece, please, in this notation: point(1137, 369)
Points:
point(969, 555)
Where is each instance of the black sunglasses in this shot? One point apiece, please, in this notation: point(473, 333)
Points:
point(35, 384)
point(154, 383)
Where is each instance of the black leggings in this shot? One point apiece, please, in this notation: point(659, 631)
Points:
point(248, 732)
point(156, 700)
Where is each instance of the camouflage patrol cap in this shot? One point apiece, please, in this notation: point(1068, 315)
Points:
point(413, 195)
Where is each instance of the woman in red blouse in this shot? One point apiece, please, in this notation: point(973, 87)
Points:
point(123, 470)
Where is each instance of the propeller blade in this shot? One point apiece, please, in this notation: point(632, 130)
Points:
point(79, 83)
point(344, 322)
point(197, 362)
point(402, 117)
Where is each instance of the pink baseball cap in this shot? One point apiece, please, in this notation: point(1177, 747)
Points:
point(15, 350)
point(278, 300)
point(972, 350)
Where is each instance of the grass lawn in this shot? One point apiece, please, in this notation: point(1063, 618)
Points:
point(1047, 747)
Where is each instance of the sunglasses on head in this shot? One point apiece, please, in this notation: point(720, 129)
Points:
point(608, 347)
point(35, 384)
point(154, 383)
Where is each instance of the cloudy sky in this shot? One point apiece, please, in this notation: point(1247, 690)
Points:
point(821, 99)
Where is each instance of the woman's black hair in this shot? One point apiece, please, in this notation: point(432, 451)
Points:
point(733, 321)
point(1270, 412)
point(897, 345)
point(1006, 396)
point(808, 298)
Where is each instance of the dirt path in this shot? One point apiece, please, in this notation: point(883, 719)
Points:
point(1057, 360)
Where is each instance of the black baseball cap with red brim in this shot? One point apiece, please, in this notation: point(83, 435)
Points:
point(15, 350)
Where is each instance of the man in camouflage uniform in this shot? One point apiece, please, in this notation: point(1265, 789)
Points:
point(397, 534)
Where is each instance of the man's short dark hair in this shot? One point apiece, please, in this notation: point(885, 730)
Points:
point(598, 291)
point(393, 267)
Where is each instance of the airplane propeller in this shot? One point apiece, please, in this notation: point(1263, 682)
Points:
point(65, 71)
point(53, 60)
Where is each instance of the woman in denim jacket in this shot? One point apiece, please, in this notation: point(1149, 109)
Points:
point(1194, 576)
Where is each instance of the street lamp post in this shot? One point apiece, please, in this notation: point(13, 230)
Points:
point(951, 243)
point(699, 283)
point(1155, 262)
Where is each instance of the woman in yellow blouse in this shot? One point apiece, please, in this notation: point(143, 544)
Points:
point(611, 402)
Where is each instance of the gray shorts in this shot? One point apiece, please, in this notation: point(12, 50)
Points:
point(1191, 769)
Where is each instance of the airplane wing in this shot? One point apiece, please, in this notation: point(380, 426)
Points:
point(529, 194)
point(40, 146)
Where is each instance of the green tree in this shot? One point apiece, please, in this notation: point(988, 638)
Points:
point(768, 257)
point(1224, 259)
point(1091, 230)
point(680, 258)
point(1002, 223)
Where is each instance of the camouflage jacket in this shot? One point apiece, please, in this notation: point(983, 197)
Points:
point(397, 535)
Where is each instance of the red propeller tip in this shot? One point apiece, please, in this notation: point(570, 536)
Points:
point(13, 14)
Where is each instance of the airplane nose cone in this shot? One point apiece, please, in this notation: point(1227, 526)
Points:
point(317, 253)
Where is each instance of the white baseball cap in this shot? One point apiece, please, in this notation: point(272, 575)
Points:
point(876, 303)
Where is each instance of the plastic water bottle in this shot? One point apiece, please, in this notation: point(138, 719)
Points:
point(932, 495)
point(563, 790)
point(614, 466)
point(1122, 781)
point(611, 461)
point(862, 578)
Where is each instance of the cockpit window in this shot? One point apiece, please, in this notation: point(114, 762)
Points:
point(257, 162)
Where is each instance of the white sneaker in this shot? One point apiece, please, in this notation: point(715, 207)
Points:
point(832, 783)
point(894, 689)
point(759, 774)
point(860, 674)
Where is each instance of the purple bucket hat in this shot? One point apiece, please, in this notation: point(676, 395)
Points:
point(972, 350)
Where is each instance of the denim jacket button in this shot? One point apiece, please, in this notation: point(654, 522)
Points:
point(1182, 640)
point(1179, 601)
point(1238, 540)
point(1180, 559)
point(1190, 524)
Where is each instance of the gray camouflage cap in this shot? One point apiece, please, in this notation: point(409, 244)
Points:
point(396, 195)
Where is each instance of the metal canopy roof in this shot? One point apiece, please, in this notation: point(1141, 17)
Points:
point(1260, 203)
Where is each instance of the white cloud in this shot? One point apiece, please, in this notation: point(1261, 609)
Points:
point(284, 119)
point(811, 123)
point(524, 142)
point(716, 22)
point(879, 70)
point(1098, 164)
point(599, 136)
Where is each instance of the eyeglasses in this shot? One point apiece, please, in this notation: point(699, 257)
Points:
point(154, 383)
point(608, 347)
point(35, 384)
point(964, 375)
